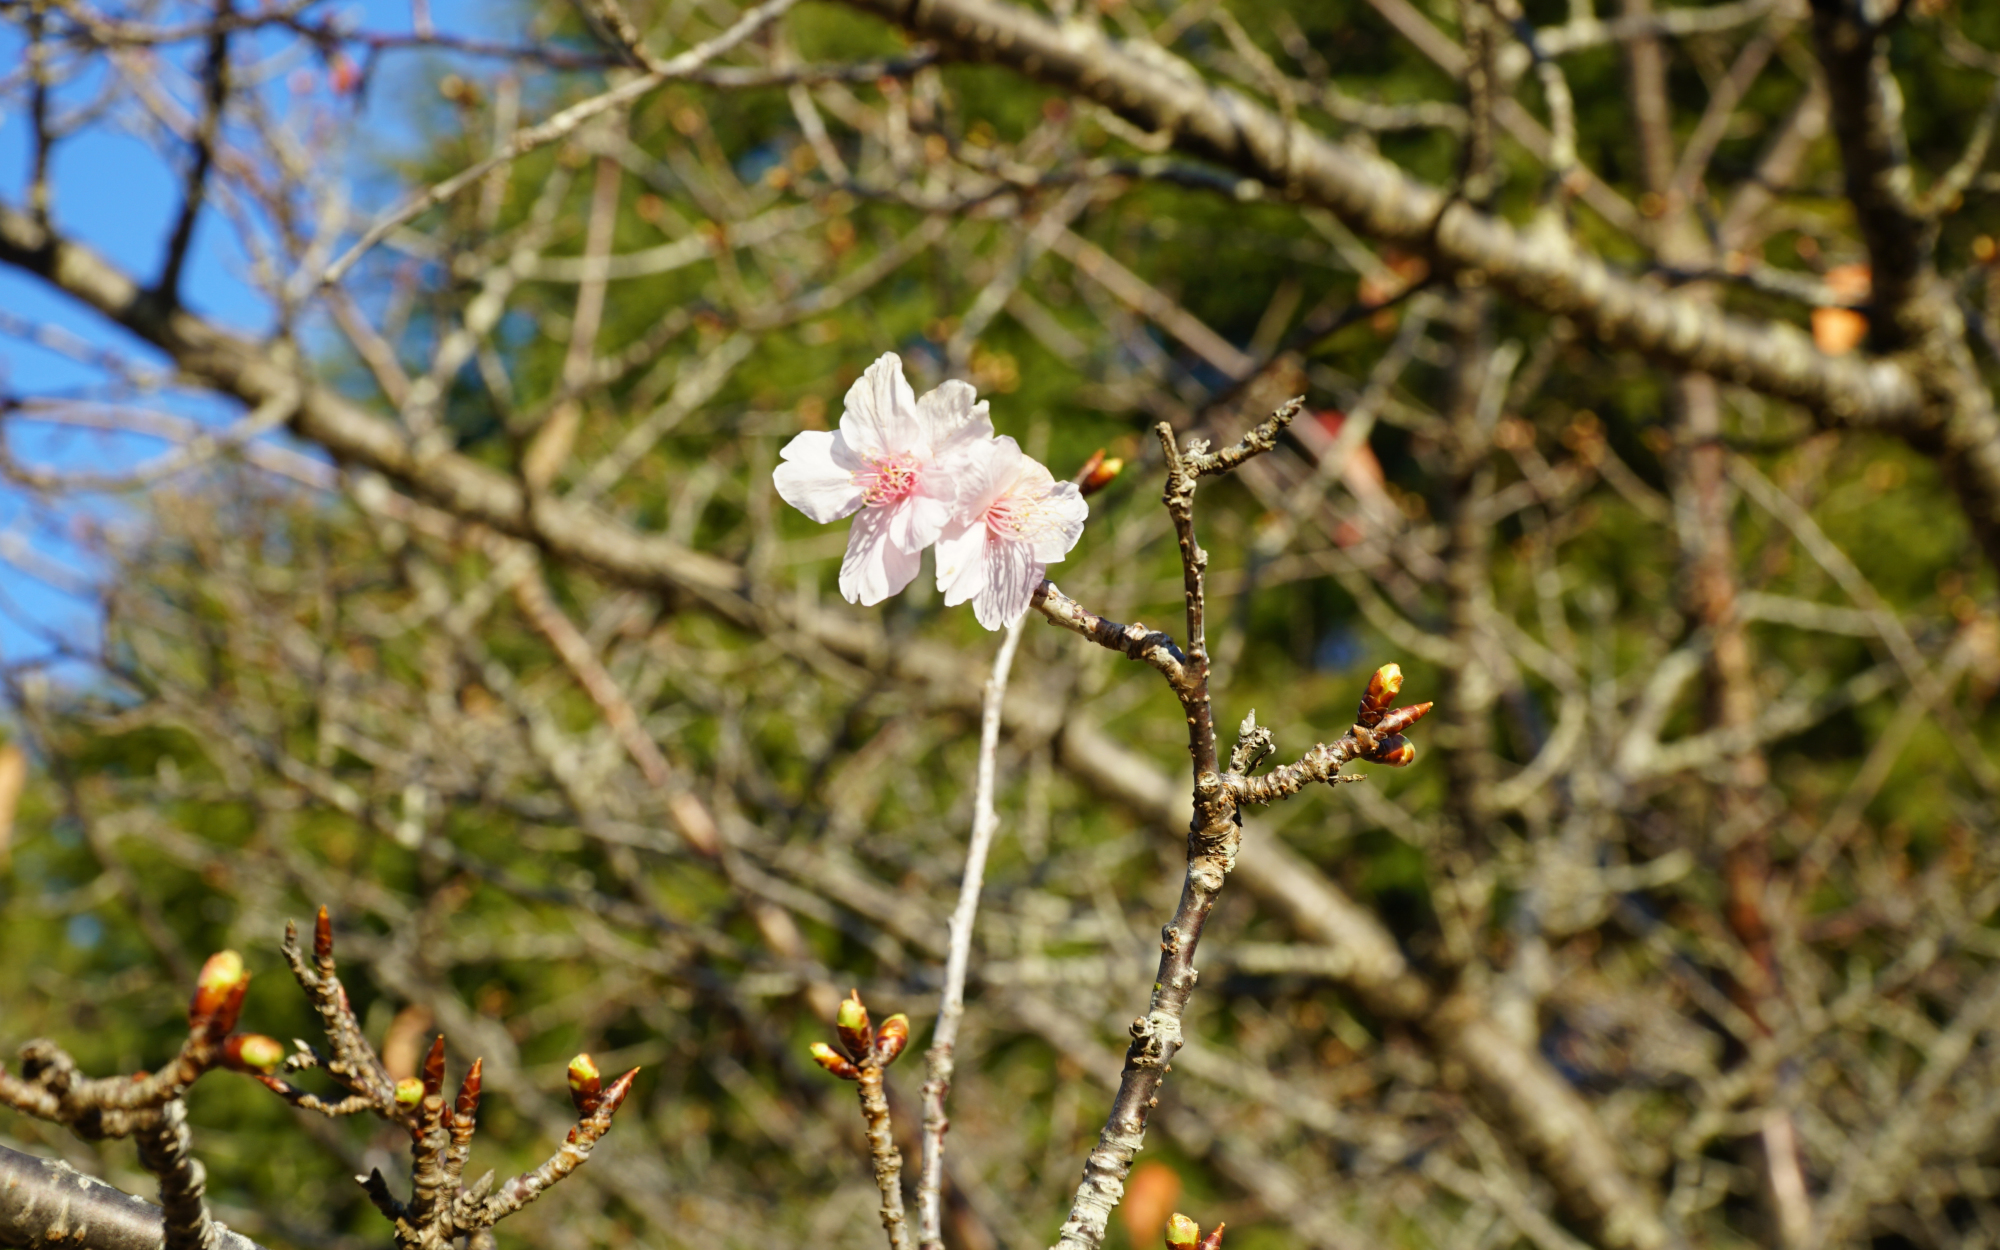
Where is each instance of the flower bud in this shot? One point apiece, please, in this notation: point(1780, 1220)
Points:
point(218, 994)
point(1394, 750)
point(891, 1038)
point(833, 1061)
point(433, 1073)
point(613, 1096)
point(253, 1052)
point(1400, 719)
point(468, 1091)
point(585, 1083)
point(1182, 1232)
point(852, 1026)
point(1214, 1239)
point(1382, 691)
point(323, 936)
point(409, 1092)
point(1098, 472)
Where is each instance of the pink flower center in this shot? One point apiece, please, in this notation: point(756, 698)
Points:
point(888, 479)
point(1016, 515)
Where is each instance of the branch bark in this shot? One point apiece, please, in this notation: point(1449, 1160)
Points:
point(939, 1059)
point(48, 1205)
point(1542, 268)
point(1932, 397)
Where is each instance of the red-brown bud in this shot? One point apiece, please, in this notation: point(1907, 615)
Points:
point(1394, 750)
point(1182, 1232)
point(434, 1067)
point(218, 994)
point(252, 1052)
point(891, 1038)
point(585, 1083)
point(1098, 472)
point(323, 937)
point(1382, 689)
point(852, 1026)
point(468, 1091)
point(1214, 1239)
point(1401, 718)
point(614, 1093)
point(833, 1061)
point(409, 1092)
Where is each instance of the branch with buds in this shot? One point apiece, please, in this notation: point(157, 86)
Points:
point(929, 469)
point(147, 1107)
point(1184, 1234)
point(442, 1206)
point(1216, 832)
point(869, 1051)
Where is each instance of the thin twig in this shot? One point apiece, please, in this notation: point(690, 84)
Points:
point(562, 124)
point(938, 1061)
point(1214, 835)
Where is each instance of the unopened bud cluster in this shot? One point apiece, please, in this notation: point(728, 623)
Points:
point(590, 1095)
point(864, 1044)
point(586, 1083)
point(1381, 725)
point(1098, 472)
point(216, 1007)
point(1184, 1234)
point(218, 995)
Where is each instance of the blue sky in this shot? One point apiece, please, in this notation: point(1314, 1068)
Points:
point(114, 192)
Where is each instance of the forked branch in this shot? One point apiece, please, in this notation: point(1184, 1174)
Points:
point(1215, 833)
point(44, 1203)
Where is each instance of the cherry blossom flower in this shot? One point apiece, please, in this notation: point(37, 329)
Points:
point(893, 463)
point(1013, 521)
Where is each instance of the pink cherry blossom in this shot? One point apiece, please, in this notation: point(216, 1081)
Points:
point(1013, 520)
point(892, 461)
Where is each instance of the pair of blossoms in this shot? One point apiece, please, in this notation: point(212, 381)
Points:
point(917, 472)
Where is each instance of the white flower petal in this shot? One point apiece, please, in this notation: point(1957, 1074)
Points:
point(1063, 515)
point(1032, 477)
point(918, 522)
point(879, 416)
point(873, 568)
point(1012, 573)
point(953, 417)
point(811, 479)
point(983, 474)
point(961, 561)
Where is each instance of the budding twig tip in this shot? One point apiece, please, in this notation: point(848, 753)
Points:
point(434, 1066)
point(834, 1062)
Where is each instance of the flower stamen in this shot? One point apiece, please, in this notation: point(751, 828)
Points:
point(888, 479)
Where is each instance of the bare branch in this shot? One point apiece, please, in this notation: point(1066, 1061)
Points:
point(940, 1059)
point(46, 1204)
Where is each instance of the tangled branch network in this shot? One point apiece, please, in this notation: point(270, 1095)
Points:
point(43, 1203)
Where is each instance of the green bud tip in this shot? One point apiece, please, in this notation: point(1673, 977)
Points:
point(852, 1014)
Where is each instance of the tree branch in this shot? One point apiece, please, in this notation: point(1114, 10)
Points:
point(48, 1205)
point(938, 1060)
point(208, 134)
point(1542, 268)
